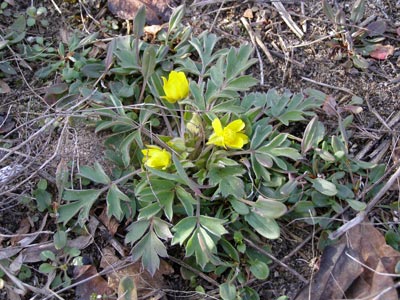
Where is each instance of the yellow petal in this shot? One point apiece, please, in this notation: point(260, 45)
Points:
point(216, 125)
point(238, 142)
point(155, 157)
point(236, 125)
point(216, 140)
point(176, 87)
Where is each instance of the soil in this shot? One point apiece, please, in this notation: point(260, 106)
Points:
point(313, 61)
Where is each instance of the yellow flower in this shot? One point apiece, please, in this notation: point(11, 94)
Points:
point(176, 87)
point(231, 136)
point(157, 158)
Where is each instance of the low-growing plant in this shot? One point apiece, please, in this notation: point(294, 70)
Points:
point(352, 40)
point(201, 161)
point(56, 266)
point(36, 16)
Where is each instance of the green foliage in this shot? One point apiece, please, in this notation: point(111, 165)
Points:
point(42, 197)
point(206, 197)
point(56, 266)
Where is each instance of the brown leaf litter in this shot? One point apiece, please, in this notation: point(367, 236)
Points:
point(360, 266)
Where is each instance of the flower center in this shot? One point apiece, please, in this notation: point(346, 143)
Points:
point(229, 136)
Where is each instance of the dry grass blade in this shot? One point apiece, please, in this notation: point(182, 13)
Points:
point(288, 19)
point(255, 39)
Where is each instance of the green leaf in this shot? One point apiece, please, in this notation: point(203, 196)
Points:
point(203, 247)
point(227, 291)
point(328, 10)
point(161, 228)
point(148, 62)
point(239, 207)
point(230, 250)
point(360, 62)
point(60, 239)
point(267, 227)
point(312, 136)
point(46, 268)
point(166, 175)
point(357, 11)
point(182, 173)
point(176, 18)
point(139, 21)
point(238, 60)
point(324, 186)
point(264, 159)
point(259, 269)
point(45, 72)
point(242, 83)
point(86, 40)
point(95, 174)
point(356, 205)
point(114, 198)
point(149, 211)
point(275, 142)
point(47, 254)
point(261, 132)
point(125, 147)
point(149, 249)
point(183, 230)
point(43, 199)
point(94, 70)
point(127, 288)
point(117, 105)
point(19, 24)
point(229, 106)
point(83, 201)
point(228, 181)
point(186, 199)
point(136, 231)
point(213, 225)
point(160, 191)
point(269, 208)
point(293, 115)
point(197, 92)
point(286, 152)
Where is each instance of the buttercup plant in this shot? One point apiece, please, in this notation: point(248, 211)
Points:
point(212, 163)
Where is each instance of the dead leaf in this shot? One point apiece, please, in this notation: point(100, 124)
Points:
point(342, 275)
point(248, 13)
point(157, 11)
point(398, 31)
point(4, 87)
point(108, 257)
point(96, 285)
point(55, 92)
point(111, 223)
point(376, 28)
point(65, 35)
point(382, 52)
point(354, 109)
point(6, 123)
point(330, 106)
point(151, 31)
point(24, 227)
